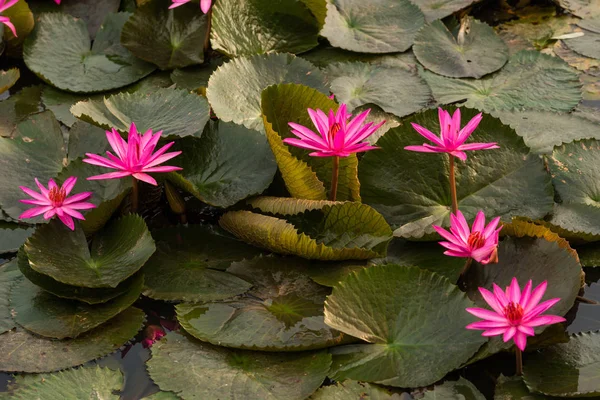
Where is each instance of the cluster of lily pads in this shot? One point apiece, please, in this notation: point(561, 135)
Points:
point(308, 246)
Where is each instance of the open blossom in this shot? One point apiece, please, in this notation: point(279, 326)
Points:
point(53, 201)
point(338, 135)
point(5, 5)
point(452, 138)
point(204, 4)
point(515, 313)
point(479, 242)
point(136, 157)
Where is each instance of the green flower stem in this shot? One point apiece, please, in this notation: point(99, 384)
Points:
point(519, 362)
point(453, 185)
point(135, 195)
point(334, 178)
point(208, 28)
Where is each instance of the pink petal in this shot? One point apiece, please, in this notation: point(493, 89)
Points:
point(365, 132)
point(42, 188)
point(491, 300)
point(510, 332)
point(34, 212)
point(459, 154)
point(205, 5)
point(526, 294)
point(6, 21)
point(494, 332)
point(117, 143)
point(491, 226)
point(37, 202)
point(95, 159)
point(69, 184)
point(513, 292)
point(318, 121)
point(456, 248)
point(304, 133)
point(73, 213)
point(477, 146)
point(459, 224)
point(67, 220)
point(50, 213)
point(427, 134)
point(479, 222)
point(448, 236)
point(81, 206)
point(163, 168)
point(486, 314)
point(536, 296)
point(304, 144)
point(520, 340)
point(110, 175)
point(526, 330)
point(483, 254)
point(145, 178)
point(34, 194)
point(488, 325)
point(77, 198)
point(161, 159)
point(423, 149)
point(469, 129)
point(544, 320)
point(541, 308)
point(500, 295)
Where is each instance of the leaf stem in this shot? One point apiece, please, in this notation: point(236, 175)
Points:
point(519, 362)
point(135, 195)
point(453, 185)
point(586, 300)
point(461, 279)
point(334, 178)
point(208, 28)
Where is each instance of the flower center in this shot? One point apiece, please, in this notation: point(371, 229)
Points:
point(335, 128)
point(476, 240)
point(513, 312)
point(57, 196)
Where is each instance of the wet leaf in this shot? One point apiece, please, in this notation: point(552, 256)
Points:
point(8, 79)
point(352, 390)
point(12, 236)
point(436, 9)
point(9, 277)
point(461, 389)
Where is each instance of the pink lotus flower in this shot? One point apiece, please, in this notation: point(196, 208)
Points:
point(152, 334)
point(452, 138)
point(479, 243)
point(5, 5)
point(204, 4)
point(54, 201)
point(338, 136)
point(134, 157)
point(57, 1)
point(515, 314)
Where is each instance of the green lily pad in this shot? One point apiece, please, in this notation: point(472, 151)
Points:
point(378, 26)
point(324, 231)
point(234, 90)
point(438, 9)
point(411, 189)
point(118, 251)
point(213, 169)
point(461, 389)
point(352, 390)
point(12, 236)
point(193, 369)
point(8, 79)
point(575, 222)
point(530, 80)
point(587, 45)
point(318, 8)
point(513, 388)
point(247, 27)
point(47, 315)
point(35, 150)
point(163, 396)
point(60, 102)
point(566, 369)
point(542, 130)
point(18, 107)
point(325, 55)
point(189, 265)
point(194, 78)
point(581, 8)
point(329, 274)
point(305, 177)
point(86, 295)
point(80, 383)
point(9, 277)
point(60, 52)
point(477, 53)
point(173, 111)
point(169, 38)
point(26, 352)
point(394, 89)
point(86, 138)
point(21, 17)
point(283, 311)
point(414, 338)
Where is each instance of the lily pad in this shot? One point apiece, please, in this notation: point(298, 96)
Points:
point(581, 8)
point(80, 383)
point(12, 236)
point(195, 78)
point(60, 52)
point(35, 150)
point(530, 80)
point(189, 265)
point(461, 389)
point(47, 315)
point(587, 45)
point(169, 38)
point(234, 89)
point(325, 55)
point(247, 27)
point(575, 222)
point(376, 26)
point(472, 55)
point(60, 102)
point(282, 312)
point(352, 390)
point(8, 79)
point(305, 177)
point(26, 352)
point(213, 170)
point(414, 338)
point(513, 388)
point(566, 369)
point(330, 273)
point(118, 251)
point(193, 369)
point(411, 189)
point(173, 111)
point(332, 231)
point(438, 9)
point(394, 89)
point(9, 277)
point(18, 107)
point(86, 138)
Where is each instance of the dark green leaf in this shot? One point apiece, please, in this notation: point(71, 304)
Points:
point(12, 236)
point(461, 389)
point(353, 390)
point(513, 388)
point(86, 138)
point(9, 277)
point(8, 79)
point(438, 9)
point(17, 107)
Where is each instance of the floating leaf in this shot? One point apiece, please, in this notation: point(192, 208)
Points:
point(189, 265)
point(339, 231)
point(86, 138)
point(305, 177)
point(234, 90)
point(461, 389)
point(58, 51)
point(379, 26)
point(325, 55)
point(530, 80)
point(12, 236)
point(586, 45)
point(195, 78)
point(581, 8)
point(193, 369)
point(474, 54)
point(35, 150)
point(566, 369)
point(575, 222)
point(393, 89)
point(60, 102)
point(118, 251)
point(80, 383)
point(173, 111)
point(352, 390)
point(213, 170)
point(18, 107)
point(9, 277)
point(47, 315)
point(414, 338)
point(169, 38)
point(163, 396)
point(436, 9)
point(411, 189)
point(329, 274)
point(513, 388)
point(247, 27)
point(283, 311)
point(8, 79)
point(25, 352)
point(318, 9)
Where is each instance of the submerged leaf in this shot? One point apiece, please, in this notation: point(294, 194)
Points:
point(8, 79)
